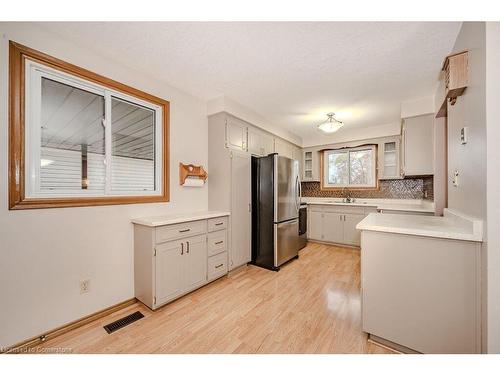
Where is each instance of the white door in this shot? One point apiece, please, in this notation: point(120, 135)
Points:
point(255, 142)
point(333, 227)
point(169, 262)
point(240, 251)
point(195, 261)
point(352, 236)
point(236, 134)
point(314, 225)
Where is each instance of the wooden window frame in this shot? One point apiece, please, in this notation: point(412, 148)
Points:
point(324, 187)
point(17, 184)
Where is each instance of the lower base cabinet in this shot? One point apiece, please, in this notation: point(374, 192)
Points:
point(170, 262)
point(336, 224)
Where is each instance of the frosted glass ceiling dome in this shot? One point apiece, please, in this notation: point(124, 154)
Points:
point(331, 125)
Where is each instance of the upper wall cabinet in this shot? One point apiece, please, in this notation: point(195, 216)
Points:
point(454, 79)
point(310, 165)
point(259, 143)
point(236, 134)
point(417, 138)
point(390, 160)
point(283, 148)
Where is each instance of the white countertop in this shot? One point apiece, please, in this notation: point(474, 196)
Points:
point(415, 205)
point(452, 226)
point(155, 221)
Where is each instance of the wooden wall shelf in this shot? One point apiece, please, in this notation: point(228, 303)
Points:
point(455, 69)
point(190, 170)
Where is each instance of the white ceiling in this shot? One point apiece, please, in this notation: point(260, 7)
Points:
point(292, 73)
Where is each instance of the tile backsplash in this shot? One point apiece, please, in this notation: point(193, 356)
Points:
point(408, 188)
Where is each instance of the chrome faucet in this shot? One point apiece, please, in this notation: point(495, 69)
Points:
point(347, 197)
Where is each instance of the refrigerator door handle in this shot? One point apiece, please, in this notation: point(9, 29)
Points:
point(297, 188)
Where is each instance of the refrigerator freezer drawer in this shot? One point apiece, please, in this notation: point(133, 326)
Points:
point(286, 241)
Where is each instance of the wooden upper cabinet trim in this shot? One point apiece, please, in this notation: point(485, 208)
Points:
point(17, 184)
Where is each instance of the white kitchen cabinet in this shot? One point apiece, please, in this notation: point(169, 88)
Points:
point(421, 293)
point(336, 224)
point(283, 148)
point(240, 210)
point(229, 189)
point(267, 142)
point(195, 262)
point(169, 265)
point(172, 258)
point(351, 235)
point(259, 143)
point(254, 142)
point(311, 165)
point(333, 227)
point(390, 160)
point(418, 145)
point(180, 266)
point(315, 224)
point(236, 134)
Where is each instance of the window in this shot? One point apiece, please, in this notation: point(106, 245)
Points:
point(82, 139)
point(349, 167)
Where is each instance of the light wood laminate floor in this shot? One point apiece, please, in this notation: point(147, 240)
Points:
point(312, 305)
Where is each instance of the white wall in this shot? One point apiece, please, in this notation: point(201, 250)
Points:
point(470, 111)
point(470, 160)
point(493, 182)
point(45, 253)
point(422, 106)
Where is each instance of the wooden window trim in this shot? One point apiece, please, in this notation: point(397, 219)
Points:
point(17, 199)
point(361, 188)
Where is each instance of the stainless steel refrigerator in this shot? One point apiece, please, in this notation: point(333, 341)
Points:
point(275, 210)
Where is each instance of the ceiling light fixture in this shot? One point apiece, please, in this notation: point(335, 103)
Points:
point(331, 125)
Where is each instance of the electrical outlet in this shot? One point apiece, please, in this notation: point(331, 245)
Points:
point(84, 286)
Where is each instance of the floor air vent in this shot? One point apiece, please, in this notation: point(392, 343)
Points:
point(125, 321)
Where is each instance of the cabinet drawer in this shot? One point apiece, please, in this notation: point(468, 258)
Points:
point(217, 223)
point(217, 242)
point(217, 266)
point(173, 232)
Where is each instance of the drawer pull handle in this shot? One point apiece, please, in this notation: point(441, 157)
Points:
point(220, 265)
point(219, 242)
point(187, 242)
point(219, 223)
point(184, 230)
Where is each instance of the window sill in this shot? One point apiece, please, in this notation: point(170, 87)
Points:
point(36, 203)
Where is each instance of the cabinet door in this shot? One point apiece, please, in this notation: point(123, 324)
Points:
point(236, 134)
point(315, 225)
point(255, 142)
point(169, 262)
point(333, 227)
point(195, 261)
point(352, 236)
point(267, 144)
point(389, 160)
point(419, 145)
point(240, 251)
point(283, 148)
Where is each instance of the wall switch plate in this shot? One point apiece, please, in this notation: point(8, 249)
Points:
point(84, 286)
point(455, 178)
point(463, 135)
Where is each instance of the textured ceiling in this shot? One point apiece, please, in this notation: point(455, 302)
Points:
point(292, 73)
